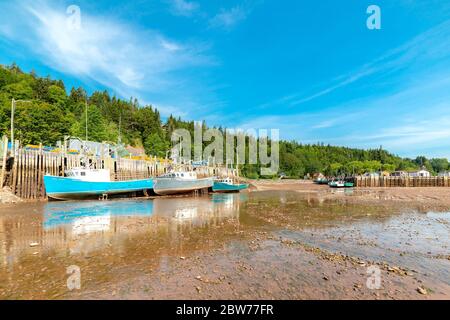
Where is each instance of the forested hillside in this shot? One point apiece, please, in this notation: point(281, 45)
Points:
point(56, 111)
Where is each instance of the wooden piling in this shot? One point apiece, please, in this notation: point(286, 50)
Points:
point(4, 155)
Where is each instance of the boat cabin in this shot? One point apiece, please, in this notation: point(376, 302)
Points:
point(187, 175)
point(91, 175)
point(225, 180)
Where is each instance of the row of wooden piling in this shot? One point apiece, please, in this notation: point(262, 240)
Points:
point(401, 182)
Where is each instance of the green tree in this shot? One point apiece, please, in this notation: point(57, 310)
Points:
point(40, 122)
point(57, 96)
point(439, 165)
point(97, 128)
point(156, 145)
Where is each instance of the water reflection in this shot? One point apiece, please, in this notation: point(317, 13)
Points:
point(84, 227)
point(92, 216)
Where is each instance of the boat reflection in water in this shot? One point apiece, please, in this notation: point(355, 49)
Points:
point(113, 219)
point(96, 215)
point(92, 216)
point(199, 211)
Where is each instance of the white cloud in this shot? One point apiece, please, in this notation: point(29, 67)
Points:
point(129, 60)
point(227, 19)
point(183, 7)
point(431, 44)
point(411, 121)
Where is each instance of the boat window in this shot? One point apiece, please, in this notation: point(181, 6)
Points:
point(182, 174)
point(83, 173)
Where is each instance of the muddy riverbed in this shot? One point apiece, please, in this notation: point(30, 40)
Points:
point(280, 242)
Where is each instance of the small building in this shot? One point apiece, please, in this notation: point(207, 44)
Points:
point(91, 147)
point(399, 174)
point(421, 173)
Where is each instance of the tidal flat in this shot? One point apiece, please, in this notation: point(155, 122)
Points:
point(278, 241)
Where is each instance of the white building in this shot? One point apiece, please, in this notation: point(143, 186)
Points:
point(420, 173)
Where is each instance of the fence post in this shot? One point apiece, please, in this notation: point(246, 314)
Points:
point(4, 156)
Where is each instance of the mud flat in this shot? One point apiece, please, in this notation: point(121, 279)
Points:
point(277, 243)
point(428, 196)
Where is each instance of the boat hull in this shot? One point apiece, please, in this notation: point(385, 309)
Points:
point(169, 186)
point(64, 188)
point(341, 185)
point(226, 187)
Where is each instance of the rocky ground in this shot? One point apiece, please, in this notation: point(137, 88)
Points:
point(7, 197)
point(270, 269)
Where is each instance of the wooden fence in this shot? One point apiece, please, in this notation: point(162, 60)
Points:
point(23, 170)
point(401, 181)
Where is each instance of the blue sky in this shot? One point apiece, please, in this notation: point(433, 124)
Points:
point(309, 68)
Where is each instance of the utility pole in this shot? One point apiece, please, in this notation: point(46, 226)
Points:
point(13, 105)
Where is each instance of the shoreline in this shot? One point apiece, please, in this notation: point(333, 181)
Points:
point(433, 196)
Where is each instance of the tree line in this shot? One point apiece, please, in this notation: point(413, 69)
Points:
point(53, 112)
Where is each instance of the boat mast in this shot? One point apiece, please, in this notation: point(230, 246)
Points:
point(237, 167)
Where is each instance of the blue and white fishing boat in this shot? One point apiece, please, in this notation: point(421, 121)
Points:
point(85, 182)
point(227, 185)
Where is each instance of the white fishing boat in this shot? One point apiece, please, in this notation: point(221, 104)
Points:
point(180, 182)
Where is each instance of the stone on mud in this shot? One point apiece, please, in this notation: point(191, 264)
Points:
point(6, 196)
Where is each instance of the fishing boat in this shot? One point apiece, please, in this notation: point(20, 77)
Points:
point(227, 185)
point(180, 182)
point(321, 181)
point(85, 182)
point(348, 184)
point(340, 184)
